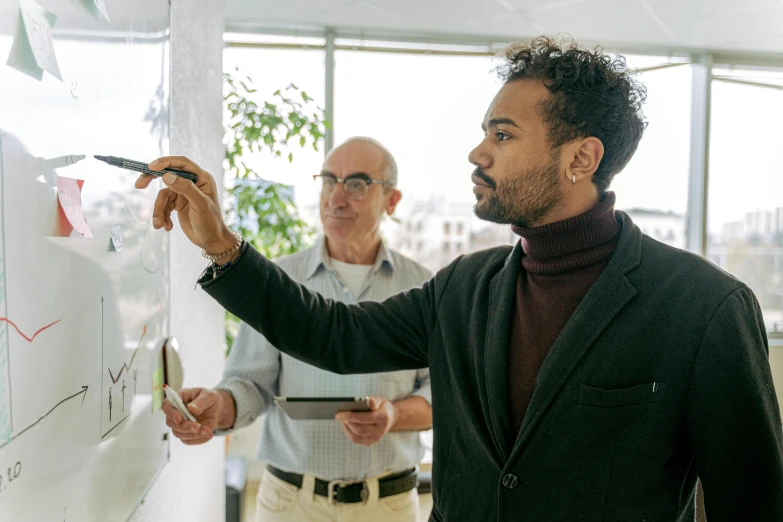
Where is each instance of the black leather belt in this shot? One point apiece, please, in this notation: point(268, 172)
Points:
point(349, 492)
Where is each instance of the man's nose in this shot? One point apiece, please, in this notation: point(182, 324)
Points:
point(338, 198)
point(479, 157)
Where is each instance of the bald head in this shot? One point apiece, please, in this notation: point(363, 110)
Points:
point(363, 145)
point(354, 223)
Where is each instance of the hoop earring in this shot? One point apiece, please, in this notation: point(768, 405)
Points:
point(573, 180)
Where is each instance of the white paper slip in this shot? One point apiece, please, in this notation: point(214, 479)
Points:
point(116, 238)
point(33, 50)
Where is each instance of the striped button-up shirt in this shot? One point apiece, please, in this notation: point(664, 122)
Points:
point(256, 372)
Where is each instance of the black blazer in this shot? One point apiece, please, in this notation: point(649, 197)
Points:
point(660, 376)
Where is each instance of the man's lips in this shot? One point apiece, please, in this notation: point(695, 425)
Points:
point(478, 181)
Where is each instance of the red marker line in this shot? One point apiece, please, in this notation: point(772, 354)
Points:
point(28, 339)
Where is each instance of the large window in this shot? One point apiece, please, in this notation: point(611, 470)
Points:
point(653, 188)
point(428, 109)
point(745, 219)
point(271, 69)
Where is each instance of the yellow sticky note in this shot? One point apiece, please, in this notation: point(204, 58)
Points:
point(157, 389)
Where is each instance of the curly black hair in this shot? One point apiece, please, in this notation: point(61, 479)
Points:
point(593, 94)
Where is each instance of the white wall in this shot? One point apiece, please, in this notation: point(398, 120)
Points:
point(191, 487)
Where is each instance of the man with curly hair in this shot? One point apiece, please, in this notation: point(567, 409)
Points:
point(589, 372)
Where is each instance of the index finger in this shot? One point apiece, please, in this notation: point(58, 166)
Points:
point(182, 163)
point(144, 181)
point(173, 162)
point(188, 394)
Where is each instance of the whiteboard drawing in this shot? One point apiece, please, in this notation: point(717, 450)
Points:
point(78, 321)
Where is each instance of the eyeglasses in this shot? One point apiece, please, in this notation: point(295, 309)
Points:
point(356, 185)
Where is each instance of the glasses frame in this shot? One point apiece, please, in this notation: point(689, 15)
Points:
point(360, 176)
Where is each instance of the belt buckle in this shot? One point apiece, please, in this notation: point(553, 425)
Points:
point(340, 483)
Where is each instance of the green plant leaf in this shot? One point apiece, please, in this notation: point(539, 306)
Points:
point(263, 211)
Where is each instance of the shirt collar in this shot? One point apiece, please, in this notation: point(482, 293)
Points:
point(319, 256)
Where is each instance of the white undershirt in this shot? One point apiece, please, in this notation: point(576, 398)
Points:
point(353, 276)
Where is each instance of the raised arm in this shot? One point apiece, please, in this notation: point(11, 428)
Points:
point(370, 337)
point(364, 338)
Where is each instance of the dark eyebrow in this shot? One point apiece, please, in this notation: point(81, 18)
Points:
point(351, 175)
point(494, 122)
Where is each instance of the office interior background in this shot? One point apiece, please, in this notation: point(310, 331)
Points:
point(707, 176)
point(417, 76)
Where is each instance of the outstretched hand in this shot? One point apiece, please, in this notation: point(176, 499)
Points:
point(196, 204)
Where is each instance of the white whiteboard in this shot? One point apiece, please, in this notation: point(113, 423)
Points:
point(78, 439)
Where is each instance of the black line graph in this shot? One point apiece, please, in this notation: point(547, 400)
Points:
point(123, 420)
point(126, 367)
point(84, 391)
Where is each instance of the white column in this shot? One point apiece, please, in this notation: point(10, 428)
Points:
point(191, 487)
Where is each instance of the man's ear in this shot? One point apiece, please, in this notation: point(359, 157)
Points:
point(394, 198)
point(586, 156)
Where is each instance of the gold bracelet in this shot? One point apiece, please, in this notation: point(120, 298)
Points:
point(233, 250)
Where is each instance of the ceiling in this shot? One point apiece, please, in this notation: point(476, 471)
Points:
point(730, 25)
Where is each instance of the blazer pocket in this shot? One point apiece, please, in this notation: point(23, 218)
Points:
point(614, 397)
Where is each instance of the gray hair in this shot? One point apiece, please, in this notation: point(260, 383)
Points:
point(390, 168)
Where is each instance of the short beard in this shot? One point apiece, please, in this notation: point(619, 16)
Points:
point(523, 198)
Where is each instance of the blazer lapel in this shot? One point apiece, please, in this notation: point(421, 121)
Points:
point(608, 295)
point(502, 295)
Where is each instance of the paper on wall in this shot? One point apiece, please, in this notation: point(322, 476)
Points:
point(33, 50)
point(69, 198)
point(115, 243)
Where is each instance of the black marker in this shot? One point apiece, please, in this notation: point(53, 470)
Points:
point(143, 167)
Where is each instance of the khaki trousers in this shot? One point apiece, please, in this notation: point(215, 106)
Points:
point(279, 501)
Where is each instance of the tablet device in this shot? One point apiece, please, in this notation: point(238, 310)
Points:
point(320, 408)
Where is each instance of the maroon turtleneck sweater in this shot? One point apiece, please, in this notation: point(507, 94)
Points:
point(561, 262)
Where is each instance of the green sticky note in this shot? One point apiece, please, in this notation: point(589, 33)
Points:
point(33, 50)
point(157, 389)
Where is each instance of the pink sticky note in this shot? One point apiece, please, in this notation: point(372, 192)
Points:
point(69, 195)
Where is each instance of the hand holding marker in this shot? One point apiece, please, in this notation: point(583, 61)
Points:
point(176, 400)
point(144, 168)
